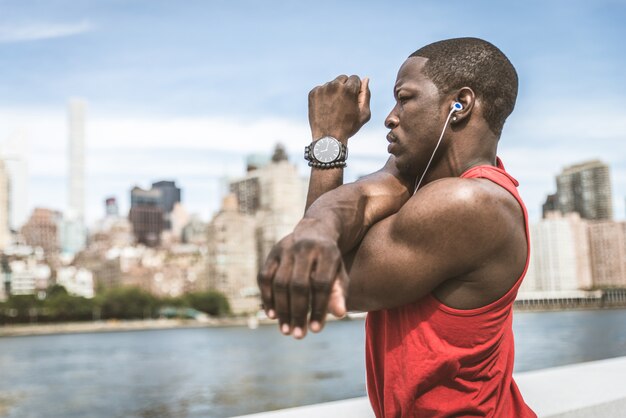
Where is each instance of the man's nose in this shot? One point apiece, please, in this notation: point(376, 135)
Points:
point(392, 120)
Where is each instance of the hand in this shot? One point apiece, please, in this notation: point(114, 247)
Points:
point(304, 270)
point(340, 107)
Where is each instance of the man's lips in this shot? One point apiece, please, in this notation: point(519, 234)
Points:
point(392, 142)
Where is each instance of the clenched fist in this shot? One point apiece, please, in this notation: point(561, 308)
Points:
point(339, 108)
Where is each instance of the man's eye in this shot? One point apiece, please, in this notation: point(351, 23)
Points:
point(403, 99)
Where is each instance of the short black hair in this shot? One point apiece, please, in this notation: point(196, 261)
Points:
point(478, 64)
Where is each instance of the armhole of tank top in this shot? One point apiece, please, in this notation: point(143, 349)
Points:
point(503, 300)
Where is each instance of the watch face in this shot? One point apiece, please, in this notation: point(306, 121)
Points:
point(326, 150)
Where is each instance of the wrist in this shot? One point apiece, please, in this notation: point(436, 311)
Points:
point(326, 153)
point(309, 224)
point(317, 134)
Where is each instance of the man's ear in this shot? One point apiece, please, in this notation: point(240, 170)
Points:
point(467, 98)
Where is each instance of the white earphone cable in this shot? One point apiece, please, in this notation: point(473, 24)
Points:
point(445, 125)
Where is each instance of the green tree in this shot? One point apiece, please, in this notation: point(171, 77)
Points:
point(60, 306)
point(21, 308)
point(211, 302)
point(56, 289)
point(127, 303)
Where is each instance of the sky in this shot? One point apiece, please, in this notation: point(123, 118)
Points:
point(186, 90)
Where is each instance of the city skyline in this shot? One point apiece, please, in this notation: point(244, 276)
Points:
point(186, 93)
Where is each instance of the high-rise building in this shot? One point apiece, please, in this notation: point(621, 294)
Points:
point(146, 215)
point(111, 207)
point(74, 231)
point(560, 258)
point(179, 218)
point(551, 204)
point(162, 196)
point(607, 243)
point(5, 232)
point(585, 188)
point(14, 153)
point(170, 194)
point(248, 194)
point(275, 194)
point(42, 230)
point(195, 232)
point(231, 256)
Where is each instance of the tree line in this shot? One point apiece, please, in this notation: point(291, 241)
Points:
point(57, 305)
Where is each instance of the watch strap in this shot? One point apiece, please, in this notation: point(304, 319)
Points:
point(339, 162)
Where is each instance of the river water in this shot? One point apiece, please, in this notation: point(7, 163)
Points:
point(221, 372)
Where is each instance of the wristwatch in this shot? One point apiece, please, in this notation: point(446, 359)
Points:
point(326, 152)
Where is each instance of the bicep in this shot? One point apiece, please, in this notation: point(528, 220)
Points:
point(407, 255)
point(387, 270)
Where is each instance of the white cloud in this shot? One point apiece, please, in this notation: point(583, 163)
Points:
point(38, 31)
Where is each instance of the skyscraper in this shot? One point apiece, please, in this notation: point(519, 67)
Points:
point(607, 243)
point(585, 188)
point(74, 232)
point(42, 230)
point(111, 207)
point(231, 256)
point(15, 156)
point(170, 195)
point(559, 256)
point(146, 215)
point(275, 194)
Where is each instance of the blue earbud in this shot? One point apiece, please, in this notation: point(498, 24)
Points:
point(456, 106)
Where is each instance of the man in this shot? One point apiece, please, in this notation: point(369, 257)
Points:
point(433, 246)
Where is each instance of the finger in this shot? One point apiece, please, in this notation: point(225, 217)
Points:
point(364, 100)
point(265, 280)
point(321, 286)
point(335, 84)
point(353, 83)
point(281, 293)
point(337, 300)
point(299, 296)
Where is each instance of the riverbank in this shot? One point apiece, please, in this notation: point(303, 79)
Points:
point(24, 330)
point(119, 326)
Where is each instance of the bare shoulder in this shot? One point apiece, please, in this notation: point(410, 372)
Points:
point(475, 216)
point(462, 239)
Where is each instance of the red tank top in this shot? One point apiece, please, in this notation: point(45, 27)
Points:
point(428, 360)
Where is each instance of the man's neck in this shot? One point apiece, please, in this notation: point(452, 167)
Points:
point(464, 153)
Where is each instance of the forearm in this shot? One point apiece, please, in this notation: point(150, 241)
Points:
point(322, 181)
point(346, 212)
point(337, 109)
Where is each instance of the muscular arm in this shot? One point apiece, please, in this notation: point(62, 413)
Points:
point(345, 213)
point(302, 269)
point(464, 236)
point(339, 109)
point(469, 232)
point(337, 215)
